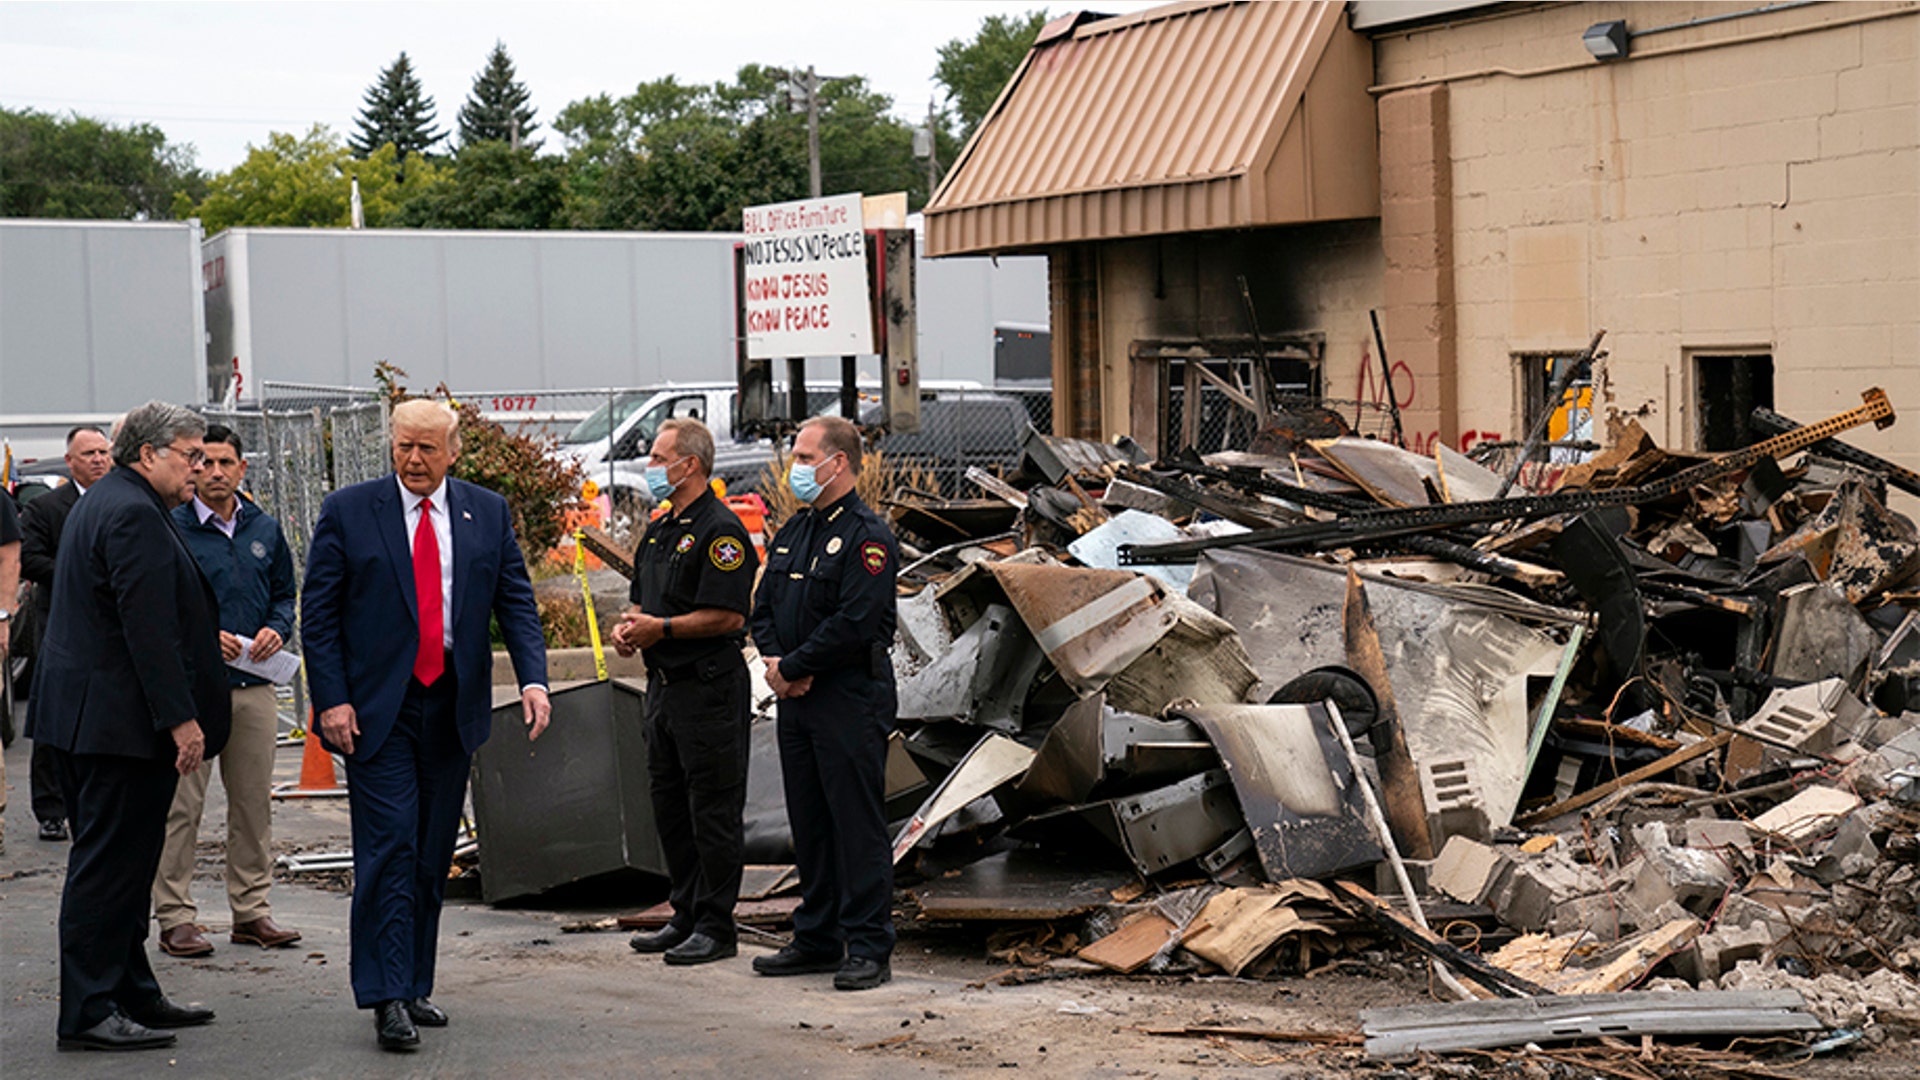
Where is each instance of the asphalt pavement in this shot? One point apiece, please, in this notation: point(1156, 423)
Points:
point(525, 999)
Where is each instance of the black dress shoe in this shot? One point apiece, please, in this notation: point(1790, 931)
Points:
point(861, 973)
point(792, 961)
point(659, 940)
point(117, 1032)
point(165, 1014)
point(700, 949)
point(426, 1013)
point(53, 831)
point(394, 1027)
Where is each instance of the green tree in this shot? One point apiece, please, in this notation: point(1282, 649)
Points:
point(308, 181)
point(497, 109)
point(77, 167)
point(689, 157)
point(490, 185)
point(397, 111)
point(974, 72)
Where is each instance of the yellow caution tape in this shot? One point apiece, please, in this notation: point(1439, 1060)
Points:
point(586, 594)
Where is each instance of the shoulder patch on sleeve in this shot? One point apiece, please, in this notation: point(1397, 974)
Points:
point(727, 553)
point(873, 556)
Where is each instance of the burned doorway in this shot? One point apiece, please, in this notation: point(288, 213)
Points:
point(1214, 395)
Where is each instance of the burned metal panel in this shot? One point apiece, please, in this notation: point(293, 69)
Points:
point(1821, 636)
point(1156, 829)
point(1297, 790)
point(1093, 748)
point(1091, 623)
point(572, 806)
point(1458, 657)
point(1021, 885)
point(1100, 546)
point(993, 761)
point(983, 678)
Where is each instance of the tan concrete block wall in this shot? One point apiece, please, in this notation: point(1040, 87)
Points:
point(1763, 193)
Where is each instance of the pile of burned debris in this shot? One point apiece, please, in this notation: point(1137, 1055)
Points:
point(1649, 720)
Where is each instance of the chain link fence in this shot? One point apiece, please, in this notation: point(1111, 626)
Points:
point(962, 429)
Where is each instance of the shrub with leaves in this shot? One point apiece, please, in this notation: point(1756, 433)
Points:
point(540, 487)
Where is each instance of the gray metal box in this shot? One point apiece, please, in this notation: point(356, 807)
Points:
point(574, 804)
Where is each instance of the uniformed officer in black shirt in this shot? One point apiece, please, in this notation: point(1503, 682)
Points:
point(692, 587)
point(823, 622)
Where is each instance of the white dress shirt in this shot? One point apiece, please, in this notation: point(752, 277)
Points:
point(443, 535)
point(207, 513)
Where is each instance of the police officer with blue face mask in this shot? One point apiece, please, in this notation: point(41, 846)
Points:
point(823, 621)
point(692, 587)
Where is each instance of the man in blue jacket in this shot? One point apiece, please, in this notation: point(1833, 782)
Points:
point(241, 551)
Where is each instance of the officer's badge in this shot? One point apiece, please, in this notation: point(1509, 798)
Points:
point(685, 545)
point(727, 553)
point(833, 546)
point(873, 556)
point(259, 550)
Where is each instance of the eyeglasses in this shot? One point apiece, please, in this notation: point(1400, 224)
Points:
point(195, 458)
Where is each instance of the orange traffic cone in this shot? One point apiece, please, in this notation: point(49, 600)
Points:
point(317, 779)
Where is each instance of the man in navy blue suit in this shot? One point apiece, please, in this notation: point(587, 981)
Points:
point(402, 577)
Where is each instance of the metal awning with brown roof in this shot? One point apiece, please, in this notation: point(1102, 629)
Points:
point(1184, 118)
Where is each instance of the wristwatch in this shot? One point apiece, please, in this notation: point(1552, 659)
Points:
point(666, 627)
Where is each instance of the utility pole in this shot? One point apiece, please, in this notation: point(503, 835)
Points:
point(813, 133)
point(933, 153)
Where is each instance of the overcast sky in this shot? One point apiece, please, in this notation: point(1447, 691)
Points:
point(223, 75)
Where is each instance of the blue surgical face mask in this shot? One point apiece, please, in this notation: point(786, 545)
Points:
point(801, 479)
point(657, 482)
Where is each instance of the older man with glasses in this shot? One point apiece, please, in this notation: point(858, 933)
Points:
point(131, 688)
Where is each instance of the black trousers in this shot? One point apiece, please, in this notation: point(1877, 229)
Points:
point(49, 802)
point(118, 806)
point(404, 803)
point(833, 761)
point(696, 733)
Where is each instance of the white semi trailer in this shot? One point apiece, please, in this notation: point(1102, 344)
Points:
point(536, 313)
point(95, 318)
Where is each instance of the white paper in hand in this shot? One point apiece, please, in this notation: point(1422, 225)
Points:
point(280, 668)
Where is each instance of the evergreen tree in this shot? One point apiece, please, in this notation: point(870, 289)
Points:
point(397, 112)
point(498, 102)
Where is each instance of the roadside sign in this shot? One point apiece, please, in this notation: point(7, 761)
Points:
point(806, 291)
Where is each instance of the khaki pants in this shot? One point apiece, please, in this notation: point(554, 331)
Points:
point(246, 768)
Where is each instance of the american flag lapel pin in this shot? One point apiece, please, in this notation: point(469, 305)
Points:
point(467, 515)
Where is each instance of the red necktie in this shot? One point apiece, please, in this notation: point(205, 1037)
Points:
point(432, 659)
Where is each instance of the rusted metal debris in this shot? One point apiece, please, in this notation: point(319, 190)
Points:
point(1572, 700)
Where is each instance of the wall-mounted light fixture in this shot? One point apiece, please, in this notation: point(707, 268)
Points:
point(1607, 40)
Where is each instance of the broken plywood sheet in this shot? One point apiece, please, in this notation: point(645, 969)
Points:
point(1128, 949)
point(1020, 885)
point(1458, 658)
point(1399, 477)
point(1558, 964)
point(1296, 788)
point(1238, 926)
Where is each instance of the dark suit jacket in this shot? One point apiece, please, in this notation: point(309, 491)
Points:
point(132, 649)
point(40, 525)
point(359, 617)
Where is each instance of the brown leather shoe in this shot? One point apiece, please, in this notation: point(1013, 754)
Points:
point(264, 933)
point(185, 940)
